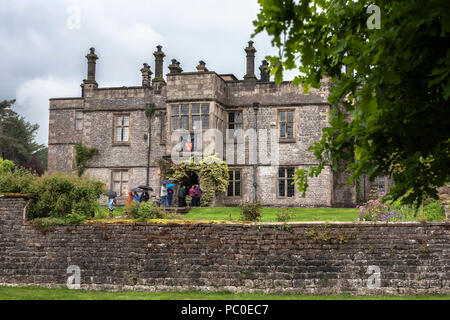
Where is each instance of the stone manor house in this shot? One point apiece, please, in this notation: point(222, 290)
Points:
point(114, 121)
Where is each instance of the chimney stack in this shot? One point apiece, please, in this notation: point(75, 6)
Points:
point(265, 76)
point(175, 67)
point(90, 82)
point(159, 60)
point(250, 50)
point(202, 66)
point(91, 57)
point(146, 75)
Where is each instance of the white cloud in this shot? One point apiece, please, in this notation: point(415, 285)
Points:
point(32, 100)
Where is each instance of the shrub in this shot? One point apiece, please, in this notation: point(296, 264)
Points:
point(434, 211)
point(16, 181)
point(284, 215)
point(147, 210)
point(75, 217)
point(251, 211)
point(47, 224)
point(132, 210)
point(59, 195)
point(6, 166)
point(372, 210)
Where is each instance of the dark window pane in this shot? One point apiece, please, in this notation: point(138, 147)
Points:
point(237, 175)
point(230, 190)
point(231, 126)
point(175, 110)
point(237, 189)
point(231, 117)
point(196, 108)
point(185, 122)
point(289, 130)
point(282, 130)
point(230, 175)
point(283, 116)
point(175, 123)
point(205, 122)
point(281, 188)
point(205, 108)
point(290, 172)
point(290, 116)
point(185, 109)
point(281, 173)
point(290, 188)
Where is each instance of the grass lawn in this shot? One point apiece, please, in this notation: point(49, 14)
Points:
point(38, 293)
point(269, 214)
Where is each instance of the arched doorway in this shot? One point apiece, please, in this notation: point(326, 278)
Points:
point(191, 179)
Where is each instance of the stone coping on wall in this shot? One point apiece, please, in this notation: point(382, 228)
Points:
point(266, 224)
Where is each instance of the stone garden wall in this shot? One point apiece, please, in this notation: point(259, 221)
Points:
point(319, 258)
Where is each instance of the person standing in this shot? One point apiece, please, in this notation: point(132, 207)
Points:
point(163, 195)
point(130, 198)
point(136, 197)
point(144, 197)
point(191, 194)
point(182, 196)
point(197, 194)
point(169, 196)
point(112, 203)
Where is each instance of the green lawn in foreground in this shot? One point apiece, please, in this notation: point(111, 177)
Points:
point(38, 293)
point(269, 214)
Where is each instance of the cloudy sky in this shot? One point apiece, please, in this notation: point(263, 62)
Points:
point(43, 44)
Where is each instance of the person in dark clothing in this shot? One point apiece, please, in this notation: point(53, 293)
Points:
point(197, 195)
point(169, 196)
point(144, 197)
point(182, 196)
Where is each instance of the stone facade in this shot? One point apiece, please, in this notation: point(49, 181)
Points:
point(90, 119)
point(306, 258)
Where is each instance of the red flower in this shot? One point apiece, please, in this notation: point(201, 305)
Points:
point(258, 214)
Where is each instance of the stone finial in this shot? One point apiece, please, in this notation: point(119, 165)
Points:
point(265, 76)
point(175, 67)
point(159, 60)
point(250, 50)
point(202, 66)
point(146, 75)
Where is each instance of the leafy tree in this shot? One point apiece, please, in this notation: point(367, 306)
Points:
point(390, 85)
point(5, 109)
point(17, 136)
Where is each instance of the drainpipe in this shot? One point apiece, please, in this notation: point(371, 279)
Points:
point(255, 184)
point(149, 111)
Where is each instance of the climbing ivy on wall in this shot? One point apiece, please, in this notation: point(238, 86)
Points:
point(82, 155)
point(212, 172)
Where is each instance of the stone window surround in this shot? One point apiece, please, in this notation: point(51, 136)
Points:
point(233, 181)
point(190, 104)
point(277, 179)
point(121, 180)
point(286, 140)
point(79, 120)
point(227, 124)
point(121, 143)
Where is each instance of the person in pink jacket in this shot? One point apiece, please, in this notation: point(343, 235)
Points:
point(191, 194)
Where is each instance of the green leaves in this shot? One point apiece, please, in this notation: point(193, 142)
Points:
point(390, 105)
point(82, 155)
